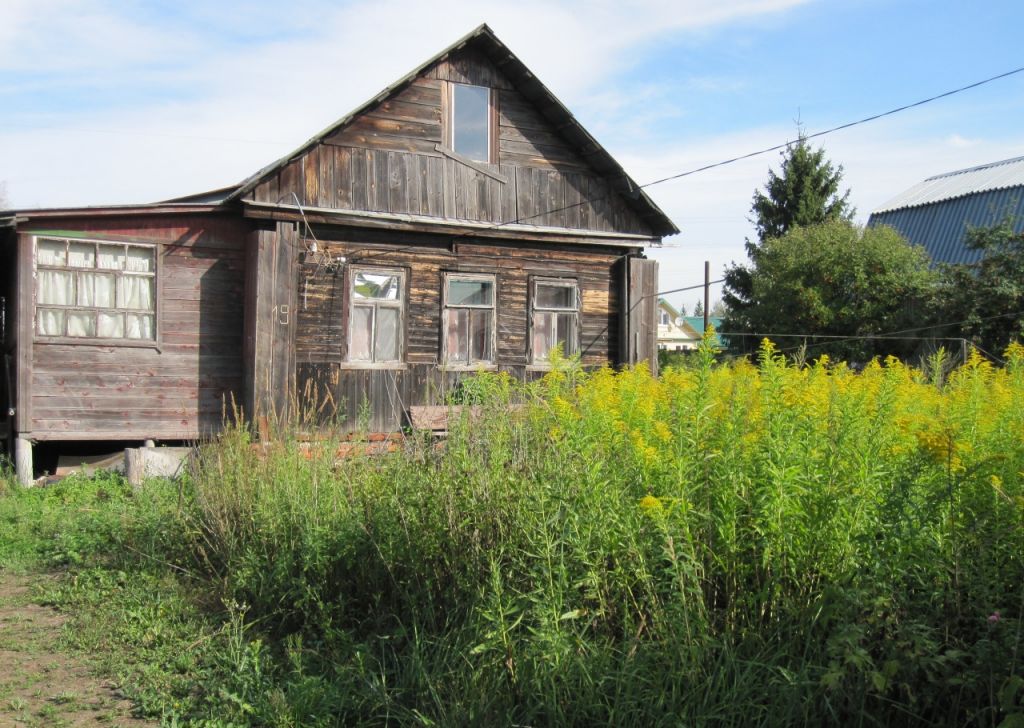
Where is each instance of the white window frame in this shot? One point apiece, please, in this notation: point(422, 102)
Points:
point(447, 307)
point(491, 131)
point(123, 341)
point(540, 358)
point(375, 303)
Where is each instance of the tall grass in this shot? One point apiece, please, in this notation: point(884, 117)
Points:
point(752, 544)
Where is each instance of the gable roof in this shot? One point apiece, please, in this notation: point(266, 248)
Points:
point(483, 39)
point(665, 305)
point(937, 212)
point(950, 185)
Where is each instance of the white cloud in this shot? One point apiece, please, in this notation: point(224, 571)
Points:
point(213, 103)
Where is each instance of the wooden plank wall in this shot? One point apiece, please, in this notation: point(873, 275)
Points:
point(274, 322)
point(387, 160)
point(322, 375)
point(641, 313)
point(87, 392)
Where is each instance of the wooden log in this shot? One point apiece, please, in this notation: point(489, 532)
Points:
point(23, 460)
point(134, 466)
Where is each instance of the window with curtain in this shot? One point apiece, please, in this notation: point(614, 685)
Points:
point(555, 311)
point(95, 289)
point(375, 316)
point(469, 319)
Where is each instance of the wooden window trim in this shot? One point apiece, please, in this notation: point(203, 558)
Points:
point(350, 304)
point(493, 121)
point(474, 365)
point(156, 275)
point(538, 360)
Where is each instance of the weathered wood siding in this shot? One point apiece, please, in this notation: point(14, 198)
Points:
point(88, 392)
point(322, 374)
point(8, 344)
point(640, 313)
point(387, 160)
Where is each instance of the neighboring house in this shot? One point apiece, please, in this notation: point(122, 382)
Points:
point(697, 324)
point(937, 212)
point(682, 333)
point(461, 220)
point(674, 333)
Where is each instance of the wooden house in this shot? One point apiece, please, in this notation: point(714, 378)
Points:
point(460, 220)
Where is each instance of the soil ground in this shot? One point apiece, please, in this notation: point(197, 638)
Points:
point(41, 684)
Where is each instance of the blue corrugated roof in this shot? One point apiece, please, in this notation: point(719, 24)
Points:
point(1000, 175)
point(940, 225)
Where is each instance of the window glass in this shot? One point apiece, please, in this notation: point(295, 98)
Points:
point(81, 323)
point(469, 320)
point(84, 289)
point(140, 260)
point(139, 326)
point(110, 325)
point(51, 252)
point(555, 318)
point(51, 322)
point(82, 255)
point(375, 323)
point(111, 257)
point(551, 295)
point(471, 121)
point(470, 293)
point(56, 287)
point(362, 333)
point(373, 285)
point(385, 340)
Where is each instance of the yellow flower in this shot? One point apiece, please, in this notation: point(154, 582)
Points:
point(650, 504)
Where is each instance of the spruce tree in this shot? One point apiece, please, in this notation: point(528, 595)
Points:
point(806, 192)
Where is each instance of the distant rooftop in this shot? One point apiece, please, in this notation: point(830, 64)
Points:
point(950, 185)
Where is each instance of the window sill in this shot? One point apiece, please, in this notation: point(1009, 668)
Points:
point(105, 343)
point(392, 365)
point(477, 367)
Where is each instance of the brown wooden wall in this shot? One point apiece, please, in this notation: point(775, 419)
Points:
point(320, 324)
point(86, 392)
point(387, 160)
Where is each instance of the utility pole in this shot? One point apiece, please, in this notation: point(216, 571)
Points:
point(707, 293)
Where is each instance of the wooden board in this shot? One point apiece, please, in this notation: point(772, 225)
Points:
point(181, 385)
point(388, 160)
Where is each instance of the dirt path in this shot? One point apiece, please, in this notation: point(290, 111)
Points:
point(39, 684)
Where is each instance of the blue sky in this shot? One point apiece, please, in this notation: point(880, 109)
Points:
point(116, 102)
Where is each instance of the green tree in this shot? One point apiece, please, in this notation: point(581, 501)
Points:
point(837, 279)
point(987, 295)
point(806, 192)
point(698, 309)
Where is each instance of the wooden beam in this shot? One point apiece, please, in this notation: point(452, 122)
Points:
point(415, 223)
point(478, 166)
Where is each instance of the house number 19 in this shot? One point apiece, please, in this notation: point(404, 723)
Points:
point(281, 312)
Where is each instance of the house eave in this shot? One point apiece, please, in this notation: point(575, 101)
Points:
point(421, 223)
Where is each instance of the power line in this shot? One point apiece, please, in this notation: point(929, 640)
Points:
point(778, 147)
point(847, 125)
point(891, 335)
point(732, 160)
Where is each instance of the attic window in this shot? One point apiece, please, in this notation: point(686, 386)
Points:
point(469, 127)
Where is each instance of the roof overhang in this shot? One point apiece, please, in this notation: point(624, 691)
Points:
point(17, 217)
point(433, 225)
